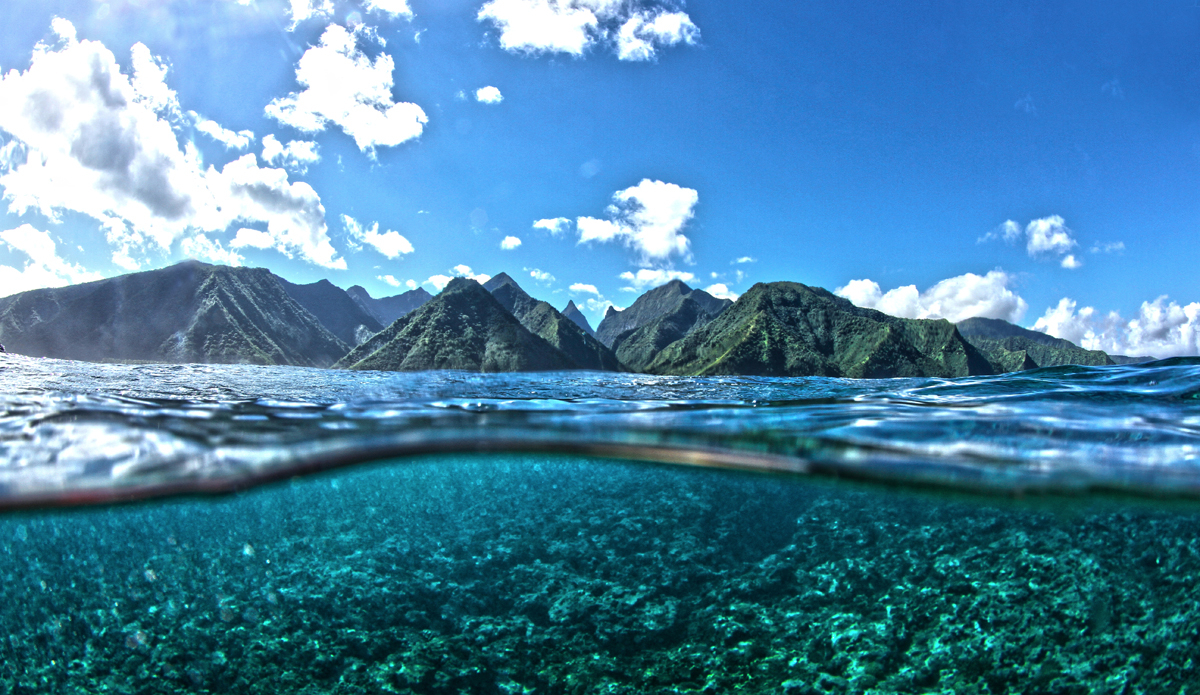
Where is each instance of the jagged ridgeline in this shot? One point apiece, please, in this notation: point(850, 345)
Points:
point(546, 322)
point(189, 312)
point(195, 312)
point(789, 329)
point(464, 327)
point(655, 320)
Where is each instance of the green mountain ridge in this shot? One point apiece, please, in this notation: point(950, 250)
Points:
point(388, 309)
point(790, 329)
point(546, 322)
point(653, 305)
point(1007, 345)
point(463, 327)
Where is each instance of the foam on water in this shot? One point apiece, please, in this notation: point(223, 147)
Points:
point(75, 432)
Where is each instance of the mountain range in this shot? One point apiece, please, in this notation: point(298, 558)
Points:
point(196, 312)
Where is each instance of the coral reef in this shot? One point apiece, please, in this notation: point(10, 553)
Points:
point(531, 574)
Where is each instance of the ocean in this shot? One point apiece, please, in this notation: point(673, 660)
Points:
point(214, 528)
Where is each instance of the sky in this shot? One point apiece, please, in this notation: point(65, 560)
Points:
point(1030, 161)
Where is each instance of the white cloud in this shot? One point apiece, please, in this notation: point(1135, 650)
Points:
point(302, 10)
point(1161, 328)
point(297, 155)
point(100, 143)
point(639, 35)
point(509, 243)
point(597, 307)
point(439, 282)
point(957, 298)
point(231, 140)
point(540, 275)
point(579, 287)
point(343, 86)
point(555, 225)
point(488, 95)
point(649, 277)
point(648, 217)
point(1049, 235)
point(395, 9)
point(253, 238)
point(744, 259)
point(721, 291)
point(389, 243)
point(43, 269)
point(574, 26)
point(389, 279)
point(200, 246)
point(1069, 261)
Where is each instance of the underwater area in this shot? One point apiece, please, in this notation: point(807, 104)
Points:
point(1035, 532)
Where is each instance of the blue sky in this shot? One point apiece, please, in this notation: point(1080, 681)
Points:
point(1029, 161)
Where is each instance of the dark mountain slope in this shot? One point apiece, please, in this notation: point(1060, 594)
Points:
point(388, 309)
point(653, 305)
point(464, 327)
point(638, 348)
point(335, 309)
point(544, 321)
point(190, 312)
point(572, 312)
point(789, 329)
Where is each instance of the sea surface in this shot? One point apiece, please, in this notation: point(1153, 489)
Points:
point(214, 528)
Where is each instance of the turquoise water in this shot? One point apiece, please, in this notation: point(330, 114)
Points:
point(1027, 533)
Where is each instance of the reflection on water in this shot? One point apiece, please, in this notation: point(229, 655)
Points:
point(534, 574)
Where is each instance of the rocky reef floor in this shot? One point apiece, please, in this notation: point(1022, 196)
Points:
point(554, 575)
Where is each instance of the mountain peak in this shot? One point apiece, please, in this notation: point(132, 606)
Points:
point(499, 281)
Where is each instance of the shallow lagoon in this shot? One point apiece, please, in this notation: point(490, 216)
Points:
point(522, 574)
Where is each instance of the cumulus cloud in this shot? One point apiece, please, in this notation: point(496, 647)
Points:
point(302, 10)
point(509, 243)
point(389, 279)
point(652, 277)
point(633, 31)
point(1045, 237)
point(297, 155)
point(100, 143)
point(957, 298)
point(1161, 328)
point(345, 87)
point(540, 275)
point(744, 259)
point(556, 226)
point(488, 95)
point(44, 267)
point(391, 244)
point(200, 246)
point(394, 9)
point(580, 288)
point(721, 291)
point(1048, 235)
point(231, 140)
point(648, 218)
point(439, 282)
